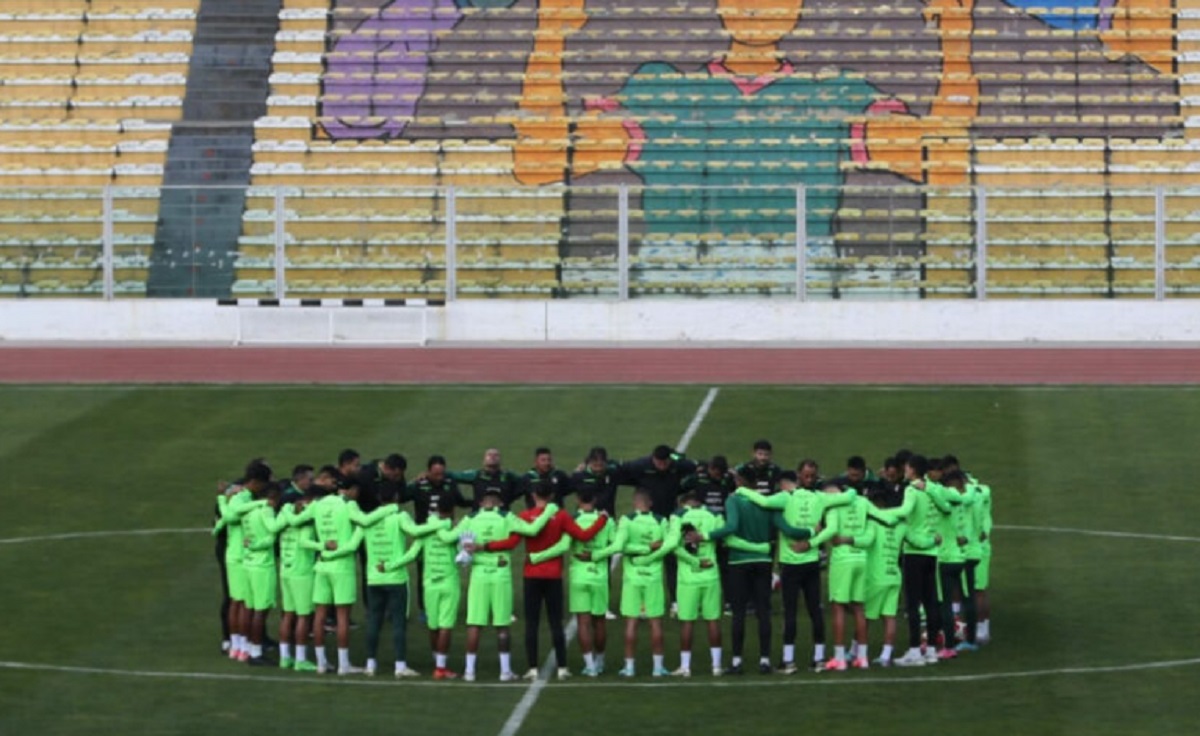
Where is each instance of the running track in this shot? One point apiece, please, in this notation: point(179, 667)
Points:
point(539, 365)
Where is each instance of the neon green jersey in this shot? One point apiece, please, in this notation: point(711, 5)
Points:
point(691, 568)
point(232, 509)
point(799, 508)
point(493, 525)
point(387, 539)
point(883, 557)
point(849, 520)
point(259, 527)
point(636, 534)
point(595, 570)
point(296, 559)
point(331, 517)
point(923, 523)
point(439, 550)
point(952, 508)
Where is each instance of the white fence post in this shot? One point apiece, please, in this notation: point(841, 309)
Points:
point(623, 243)
point(1160, 244)
point(280, 244)
point(801, 244)
point(451, 246)
point(981, 249)
point(107, 243)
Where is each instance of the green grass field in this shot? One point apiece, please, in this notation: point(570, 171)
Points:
point(1081, 623)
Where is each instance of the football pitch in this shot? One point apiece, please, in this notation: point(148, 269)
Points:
point(107, 631)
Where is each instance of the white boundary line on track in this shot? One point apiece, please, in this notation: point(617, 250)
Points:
point(530, 698)
point(823, 681)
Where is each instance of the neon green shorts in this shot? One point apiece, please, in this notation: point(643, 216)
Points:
point(699, 601)
point(338, 588)
point(590, 598)
point(883, 599)
point(489, 600)
point(441, 605)
point(239, 586)
point(848, 581)
point(636, 596)
point(983, 572)
point(297, 594)
point(261, 583)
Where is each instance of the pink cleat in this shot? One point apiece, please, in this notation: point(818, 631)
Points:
point(946, 654)
point(835, 665)
point(243, 656)
point(860, 663)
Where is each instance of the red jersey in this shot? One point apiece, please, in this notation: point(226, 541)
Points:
point(561, 523)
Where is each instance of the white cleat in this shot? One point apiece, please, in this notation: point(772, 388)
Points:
point(351, 670)
point(911, 658)
point(930, 655)
point(508, 677)
point(674, 610)
point(369, 671)
point(406, 672)
point(563, 673)
point(532, 674)
point(323, 669)
point(468, 677)
point(881, 662)
point(717, 671)
point(682, 672)
point(610, 616)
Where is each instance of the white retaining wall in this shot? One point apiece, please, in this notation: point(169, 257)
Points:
point(651, 321)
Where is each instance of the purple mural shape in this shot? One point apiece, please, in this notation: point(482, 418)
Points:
point(375, 73)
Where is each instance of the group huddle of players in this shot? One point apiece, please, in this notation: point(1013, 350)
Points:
point(706, 538)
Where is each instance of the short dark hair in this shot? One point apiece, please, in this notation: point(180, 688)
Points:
point(856, 462)
point(328, 470)
point(257, 470)
point(300, 471)
point(395, 461)
point(789, 475)
point(891, 462)
point(692, 495)
point(935, 463)
point(762, 445)
point(719, 462)
point(586, 494)
point(597, 453)
point(740, 475)
point(543, 489)
point(954, 476)
point(435, 460)
point(919, 464)
point(542, 451)
point(950, 460)
point(445, 503)
point(662, 452)
point(807, 462)
point(347, 456)
point(643, 491)
point(903, 455)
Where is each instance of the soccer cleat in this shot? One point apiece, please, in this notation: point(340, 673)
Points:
point(514, 618)
point(610, 616)
point(787, 668)
point(233, 654)
point(589, 672)
point(735, 669)
point(674, 610)
point(717, 672)
point(931, 655)
point(836, 665)
point(303, 665)
point(243, 656)
point(350, 670)
point(764, 668)
point(946, 654)
point(599, 666)
point(468, 677)
point(406, 673)
point(287, 663)
point(682, 672)
point(261, 662)
point(324, 669)
point(532, 674)
point(817, 666)
point(225, 647)
point(881, 662)
point(563, 673)
point(966, 646)
point(508, 677)
point(660, 672)
point(860, 663)
point(442, 673)
point(369, 671)
point(626, 672)
point(911, 658)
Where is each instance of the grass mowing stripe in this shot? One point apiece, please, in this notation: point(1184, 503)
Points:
point(529, 699)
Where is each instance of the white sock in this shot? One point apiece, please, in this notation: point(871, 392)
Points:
point(715, 652)
point(256, 650)
point(372, 664)
point(658, 661)
point(506, 662)
point(589, 660)
point(981, 629)
point(853, 646)
point(629, 663)
point(764, 660)
point(471, 663)
point(862, 651)
point(839, 653)
point(789, 652)
point(343, 658)
point(285, 650)
point(956, 607)
point(401, 666)
point(736, 661)
point(685, 660)
point(301, 652)
point(322, 660)
point(887, 653)
point(237, 642)
point(439, 660)
point(818, 652)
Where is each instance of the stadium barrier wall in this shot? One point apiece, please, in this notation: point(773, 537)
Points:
point(600, 322)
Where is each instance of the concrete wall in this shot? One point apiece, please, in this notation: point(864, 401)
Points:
point(604, 322)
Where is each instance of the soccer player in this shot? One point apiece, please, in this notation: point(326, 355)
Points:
point(983, 522)
point(259, 527)
point(348, 464)
point(335, 583)
point(644, 538)
point(588, 573)
point(295, 488)
point(490, 591)
point(883, 563)
point(956, 576)
point(846, 528)
point(801, 507)
point(760, 472)
point(424, 493)
point(379, 477)
point(714, 483)
point(490, 475)
point(920, 567)
point(543, 471)
point(598, 475)
point(747, 532)
point(661, 473)
point(543, 579)
point(699, 587)
point(442, 586)
point(856, 476)
point(389, 552)
point(236, 501)
point(296, 561)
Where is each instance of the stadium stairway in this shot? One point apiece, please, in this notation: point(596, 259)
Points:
point(209, 158)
